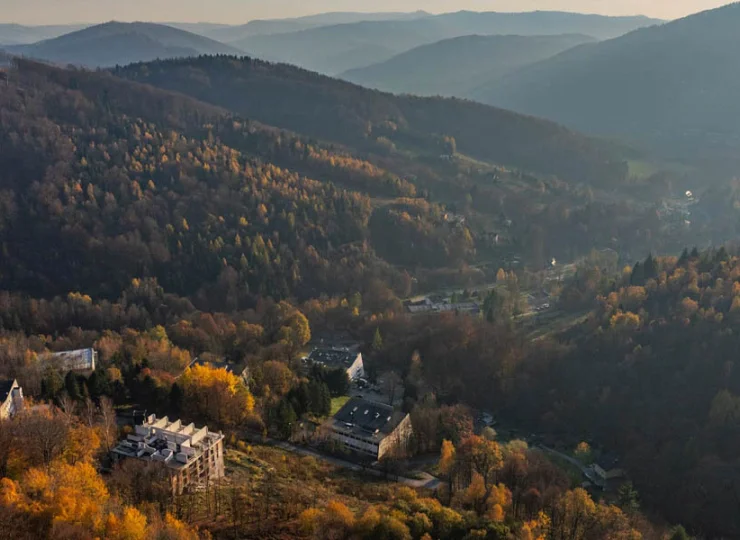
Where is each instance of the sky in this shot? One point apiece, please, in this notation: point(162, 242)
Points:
point(242, 11)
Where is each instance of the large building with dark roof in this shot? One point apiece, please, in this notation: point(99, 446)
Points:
point(339, 358)
point(371, 429)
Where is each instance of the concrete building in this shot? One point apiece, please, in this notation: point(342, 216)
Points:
point(11, 398)
point(339, 358)
point(371, 429)
point(192, 455)
point(77, 360)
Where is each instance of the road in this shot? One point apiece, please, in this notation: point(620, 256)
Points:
point(586, 471)
point(427, 481)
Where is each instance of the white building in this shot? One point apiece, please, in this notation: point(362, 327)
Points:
point(372, 429)
point(11, 398)
point(77, 360)
point(339, 358)
point(192, 455)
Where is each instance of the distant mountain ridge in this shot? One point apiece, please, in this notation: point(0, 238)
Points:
point(454, 67)
point(18, 34)
point(260, 27)
point(116, 43)
point(674, 86)
point(338, 48)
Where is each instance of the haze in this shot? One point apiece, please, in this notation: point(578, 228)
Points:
point(240, 11)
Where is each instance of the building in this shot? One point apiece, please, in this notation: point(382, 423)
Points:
point(371, 429)
point(77, 360)
point(193, 455)
point(339, 358)
point(607, 468)
point(11, 398)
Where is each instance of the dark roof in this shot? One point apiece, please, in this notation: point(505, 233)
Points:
point(5, 387)
point(608, 461)
point(367, 417)
point(333, 357)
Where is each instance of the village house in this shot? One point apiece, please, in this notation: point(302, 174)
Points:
point(607, 468)
point(11, 398)
point(339, 358)
point(371, 429)
point(193, 456)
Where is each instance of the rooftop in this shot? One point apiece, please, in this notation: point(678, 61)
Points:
point(6, 386)
point(333, 357)
point(367, 419)
point(170, 442)
point(77, 359)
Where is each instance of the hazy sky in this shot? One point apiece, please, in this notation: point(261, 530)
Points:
point(240, 11)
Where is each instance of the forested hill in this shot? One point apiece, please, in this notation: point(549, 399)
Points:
point(103, 180)
point(674, 86)
point(319, 106)
point(117, 43)
point(455, 67)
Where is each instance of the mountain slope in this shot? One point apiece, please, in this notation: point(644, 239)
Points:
point(262, 27)
point(337, 111)
point(121, 43)
point(317, 49)
point(16, 34)
point(675, 85)
point(456, 66)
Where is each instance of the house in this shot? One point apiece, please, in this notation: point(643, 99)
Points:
point(607, 468)
point(11, 398)
point(192, 455)
point(339, 358)
point(77, 360)
point(371, 429)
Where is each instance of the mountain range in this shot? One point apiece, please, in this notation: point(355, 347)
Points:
point(457, 66)
point(338, 48)
point(673, 86)
point(117, 43)
point(261, 27)
point(17, 34)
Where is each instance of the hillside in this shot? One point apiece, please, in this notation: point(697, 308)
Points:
point(673, 86)
point(117, 43)
point(261, 27)
point(330, 109)
point(455, 67)
point(338, 48)
point(16, 34)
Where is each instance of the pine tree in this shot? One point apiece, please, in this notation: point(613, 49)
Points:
point(377, 340)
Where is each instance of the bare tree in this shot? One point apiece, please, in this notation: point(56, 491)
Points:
point(391, 383)
point(43, 433)
point(108, 425)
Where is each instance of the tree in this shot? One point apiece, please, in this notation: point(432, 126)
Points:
point(215, 396)
point(377, 340)
point(628, 498)
point(277, 378)
point(391, 382)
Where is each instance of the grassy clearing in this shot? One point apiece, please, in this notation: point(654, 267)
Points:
point(337, 403)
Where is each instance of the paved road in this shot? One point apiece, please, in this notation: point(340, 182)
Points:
point(427, 481)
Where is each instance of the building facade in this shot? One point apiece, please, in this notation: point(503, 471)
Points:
point(77, 360)
point(11, 398)
point(371, 429)
point(193, 456)
point(340, 358)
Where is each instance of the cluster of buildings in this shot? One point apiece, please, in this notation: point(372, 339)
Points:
point(427, 305)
